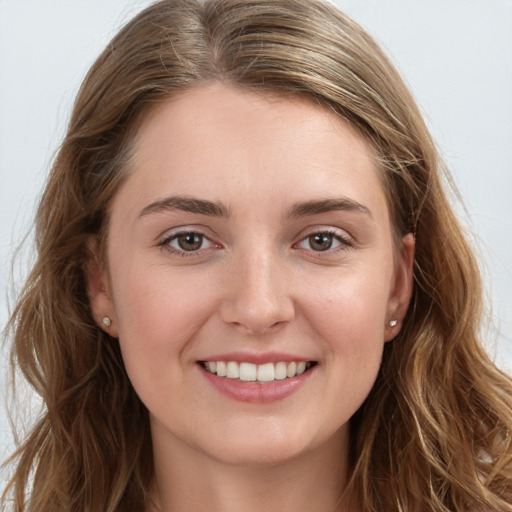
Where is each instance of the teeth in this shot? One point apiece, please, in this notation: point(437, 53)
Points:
point(281, 371)
point(247, 371)
point(266, 372)
point(233, 370)
point(250, 372)
point(221, 368)
point(291, 371)
point(301, 367)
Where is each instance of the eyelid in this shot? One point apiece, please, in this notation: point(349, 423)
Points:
point(172, 234)
point(345, 240)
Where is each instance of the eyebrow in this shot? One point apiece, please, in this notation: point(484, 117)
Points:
point(306, 208)
point(186, 204)
point(218, 209)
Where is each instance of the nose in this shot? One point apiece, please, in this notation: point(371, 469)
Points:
point(257, 297)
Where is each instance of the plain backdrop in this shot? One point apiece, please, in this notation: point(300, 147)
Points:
point(456, 55)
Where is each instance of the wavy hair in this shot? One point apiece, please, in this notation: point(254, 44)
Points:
point(435, 432)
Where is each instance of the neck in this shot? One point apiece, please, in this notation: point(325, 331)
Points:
point(186, 479)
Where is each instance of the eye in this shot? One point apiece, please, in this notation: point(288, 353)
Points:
point(187, 242)
point(323, 241)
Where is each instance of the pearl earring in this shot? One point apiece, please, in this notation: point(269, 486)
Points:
point(392, 323)
point(106, 321)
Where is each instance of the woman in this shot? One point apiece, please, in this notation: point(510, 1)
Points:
point(251, 291)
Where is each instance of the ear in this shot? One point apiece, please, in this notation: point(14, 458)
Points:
point(401, 290)
point(98, 290)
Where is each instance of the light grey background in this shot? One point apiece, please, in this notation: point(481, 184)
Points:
point(456, 56)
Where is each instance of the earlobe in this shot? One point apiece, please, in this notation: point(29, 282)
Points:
point(98, 290)
point(402, 288)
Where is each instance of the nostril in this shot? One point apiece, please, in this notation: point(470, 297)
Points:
point(254, 328)
point(257, 315)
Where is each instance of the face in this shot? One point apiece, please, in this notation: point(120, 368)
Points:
point(252, 275)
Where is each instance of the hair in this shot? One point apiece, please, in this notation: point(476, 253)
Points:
point(435, 431)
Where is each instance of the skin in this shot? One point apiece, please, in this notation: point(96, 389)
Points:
point(257, 283)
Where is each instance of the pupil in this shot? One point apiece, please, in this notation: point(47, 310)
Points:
point(190, 241)
point(321, 241)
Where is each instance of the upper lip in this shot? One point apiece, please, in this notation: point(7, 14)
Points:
point(257, 358)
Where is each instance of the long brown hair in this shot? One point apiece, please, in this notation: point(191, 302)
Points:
point(434, 433)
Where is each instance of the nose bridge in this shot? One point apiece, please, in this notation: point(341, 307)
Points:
point(258, 297)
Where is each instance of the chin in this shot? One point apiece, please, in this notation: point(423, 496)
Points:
point(258, 456)
point(263, 447)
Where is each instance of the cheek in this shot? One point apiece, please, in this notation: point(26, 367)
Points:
point(157, 320)
point(352, 304)
point(348, 316)
point(158, 304)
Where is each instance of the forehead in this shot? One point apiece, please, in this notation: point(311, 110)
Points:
point(215, 139)
point(195, 111)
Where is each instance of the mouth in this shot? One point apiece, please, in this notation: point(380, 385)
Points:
point(264, 373)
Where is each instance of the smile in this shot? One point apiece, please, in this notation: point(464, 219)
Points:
point(250, 372)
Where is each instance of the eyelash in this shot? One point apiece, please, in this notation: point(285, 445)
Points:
point(344, 242)
point(166, 243)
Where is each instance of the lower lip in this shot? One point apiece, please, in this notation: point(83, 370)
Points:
point(257, 392)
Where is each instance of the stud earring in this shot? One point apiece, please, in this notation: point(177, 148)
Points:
point(392, 323)
point(106, 321)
